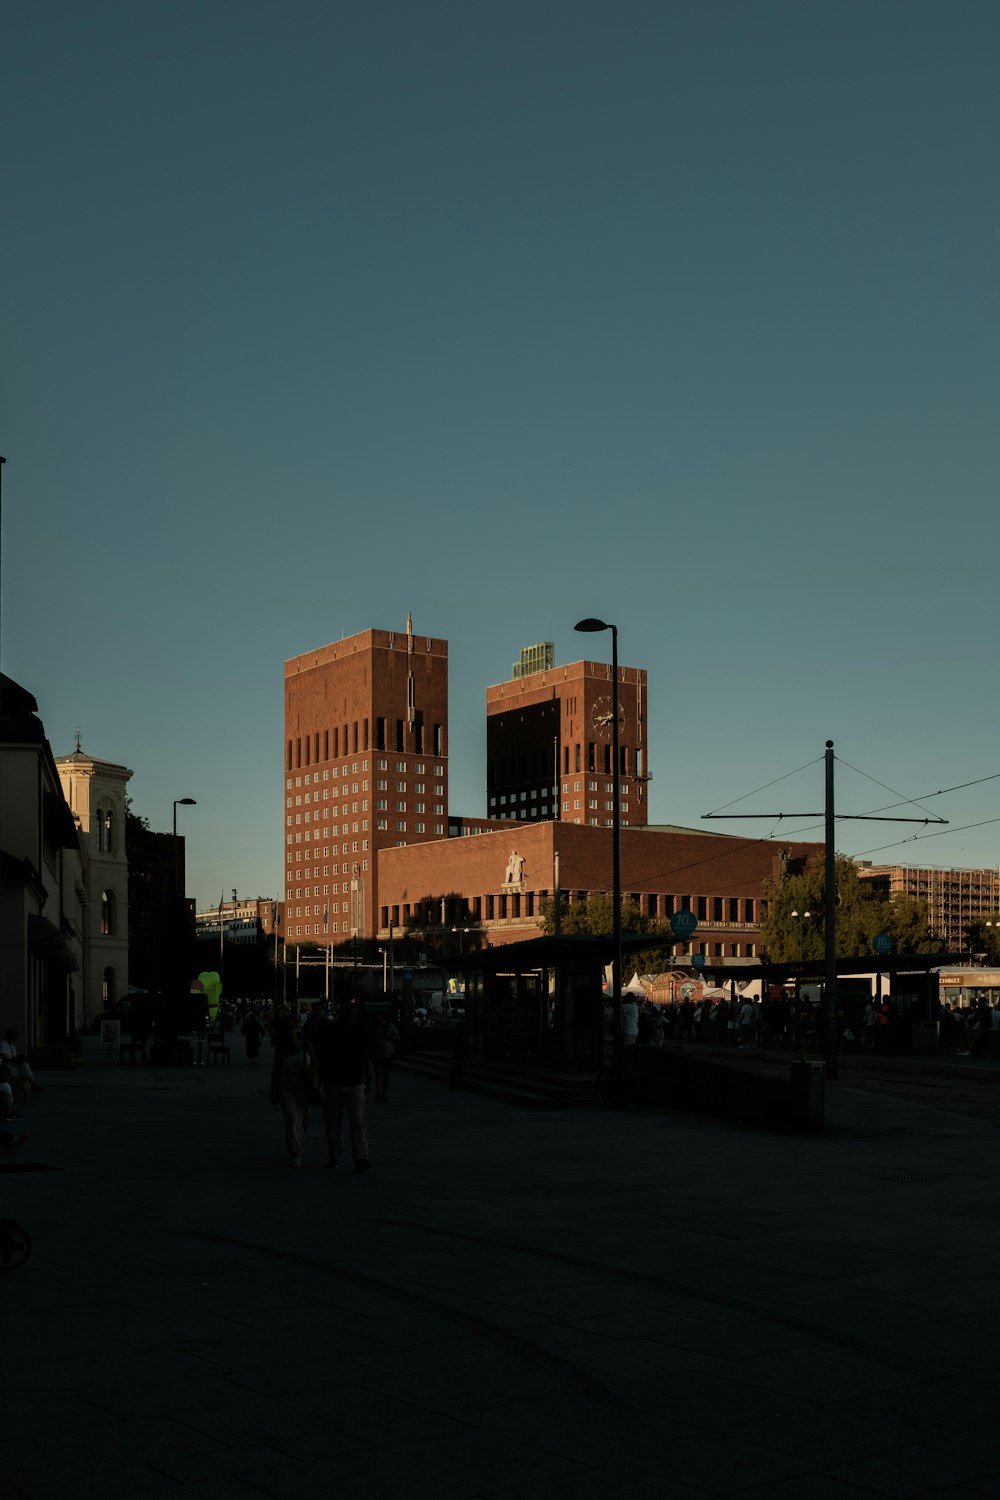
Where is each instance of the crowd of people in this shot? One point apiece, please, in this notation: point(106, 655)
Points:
point(739, 1022)
point(772, 1022)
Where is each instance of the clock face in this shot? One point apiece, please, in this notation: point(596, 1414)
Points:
point(603, 718)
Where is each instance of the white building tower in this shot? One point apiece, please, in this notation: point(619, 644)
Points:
point(95, 791)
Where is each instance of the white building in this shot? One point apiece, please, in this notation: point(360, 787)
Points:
point(95, 792)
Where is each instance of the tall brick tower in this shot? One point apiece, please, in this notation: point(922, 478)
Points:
point(366, 768)
point(549, 745)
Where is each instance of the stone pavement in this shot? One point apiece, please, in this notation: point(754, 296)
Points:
point(513, 1305)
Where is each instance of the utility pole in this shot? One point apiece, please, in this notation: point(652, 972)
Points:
point(829, 1028)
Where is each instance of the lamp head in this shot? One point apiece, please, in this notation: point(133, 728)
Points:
point(590, 624)
point(185, 802)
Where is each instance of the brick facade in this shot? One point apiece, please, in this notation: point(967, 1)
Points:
point(718, 877)
point(553, 728)
point(365, 769)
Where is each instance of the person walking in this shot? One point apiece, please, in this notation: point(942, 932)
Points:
point(293, 1079)
point(346, 1075)
point(252, 1031)
point(386, 1037)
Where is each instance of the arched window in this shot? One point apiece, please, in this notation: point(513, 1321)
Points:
point(109, 832)
point(109, 987)
point(109, 914)
point(99, 829)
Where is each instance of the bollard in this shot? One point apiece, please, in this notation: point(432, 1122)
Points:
point(807, 1095)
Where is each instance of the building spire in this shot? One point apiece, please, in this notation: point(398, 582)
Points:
point(78, 739)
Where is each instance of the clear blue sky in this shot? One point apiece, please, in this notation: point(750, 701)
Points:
point(683, 314)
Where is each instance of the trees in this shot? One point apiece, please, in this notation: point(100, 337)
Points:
point(150, 892)
point(595, 918)
point(984, 937)
point(863, 912)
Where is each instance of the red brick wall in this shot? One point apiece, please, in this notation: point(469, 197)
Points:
point(335, 698)
point(578, 688)
point(658, 862)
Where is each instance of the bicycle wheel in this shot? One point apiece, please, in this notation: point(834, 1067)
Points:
point(15, 1246)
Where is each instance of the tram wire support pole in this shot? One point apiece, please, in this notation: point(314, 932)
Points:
point(829, 1028)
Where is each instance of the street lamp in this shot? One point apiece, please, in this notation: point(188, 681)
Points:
point(590, 626)
point(179, 802)
point(805, 915)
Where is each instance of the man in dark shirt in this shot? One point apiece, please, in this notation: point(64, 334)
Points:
point(346, 1075)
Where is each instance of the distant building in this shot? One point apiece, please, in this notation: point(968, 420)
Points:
point(549, 746)
point(537, 658)
point(95, 792)
point(243, 920)
point(955, 897)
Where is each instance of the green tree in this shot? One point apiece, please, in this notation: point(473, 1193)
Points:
point(595, 918)
point(793, 928)
point(984, 937)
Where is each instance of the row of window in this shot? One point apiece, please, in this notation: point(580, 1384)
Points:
point(530, 765)
point(307, 929)
point(348, 739)
point(419, 789)
point(332, 773)
point(726, 909)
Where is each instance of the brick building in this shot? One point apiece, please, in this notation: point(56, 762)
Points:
point(491, 886)
point(369, 840)
point(549, 744)
point(365, 769)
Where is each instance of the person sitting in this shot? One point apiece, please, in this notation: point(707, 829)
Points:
point(18, 1066)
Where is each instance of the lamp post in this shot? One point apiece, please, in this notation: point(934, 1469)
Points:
point(804, 915)
point(179, 802)
point(800, 916)
point(590, 626)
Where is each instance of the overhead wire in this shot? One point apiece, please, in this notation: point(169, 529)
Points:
point(796, 834)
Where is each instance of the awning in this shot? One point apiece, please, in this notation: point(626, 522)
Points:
point(48, 944)
point(583, 951)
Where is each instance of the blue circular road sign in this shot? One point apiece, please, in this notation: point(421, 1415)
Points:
point(683, 923)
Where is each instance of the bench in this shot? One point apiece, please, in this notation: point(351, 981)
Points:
point(218, 1048)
